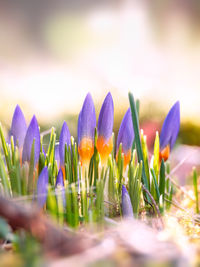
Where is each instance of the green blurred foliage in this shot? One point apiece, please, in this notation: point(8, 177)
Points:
point(190, 133)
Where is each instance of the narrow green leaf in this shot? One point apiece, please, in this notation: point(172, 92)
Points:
point(51, 203)
point(156, 159)
point(137, 139)
point(5, 149)
point(31, 169)
point(156, 185)
point(162, 179)
point(146, 156)
point(4, 178)
point(195, 183)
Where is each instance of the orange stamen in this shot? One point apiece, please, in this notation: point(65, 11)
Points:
point(164, 154)
point(86, 150)
point(104, 148)
point(63, 170)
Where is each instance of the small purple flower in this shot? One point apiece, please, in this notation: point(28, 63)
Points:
point(57, 154)
point(105, 128)
point(170, 130)
point(127, 209)
point(60, 186)
point(171, 126)
point(42, 186)
point(86, 128)
point(32, 133)
point(64, 139)
point(18, 127)
point(126, 136)
point(106, 117)
point(60, 180)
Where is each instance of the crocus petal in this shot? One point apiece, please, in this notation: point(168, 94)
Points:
point(60, 180)
point(127, 209)
point(18, 127)
point(126, 133)
point(32, 133)
point(105, 128)
point(106, 117)
point(126, 136)
point(60, 186)
point(86, 128)
point(64, 139)
point(42, 185)
point(44, 152)
point(57, 154)
point(170, 128)
point(87, 119)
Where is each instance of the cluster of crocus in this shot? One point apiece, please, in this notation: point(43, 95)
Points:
point(86, 130)
point(24, 137)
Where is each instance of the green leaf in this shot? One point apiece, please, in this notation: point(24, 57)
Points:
point(137, 140)
point(146, 156)
point(162, 181)
point(156, 185)
point(5, 149)
point(156, 160)
point(31, 169)
point(4, 178)
point(195, 183)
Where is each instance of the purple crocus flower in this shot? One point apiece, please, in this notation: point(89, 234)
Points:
point(60, 186)
point(18, 127)
point(86, 128)
point(32, 133)
point(126, 137)
point(127, 209)
point(105, 128)
point(60, 180)
point(42, 185)
point(57, 154)
point(64, 139)
point(170, 130)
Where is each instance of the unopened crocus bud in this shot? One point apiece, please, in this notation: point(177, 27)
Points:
point(105, 128)
point(42, 187)
point(64, 140)
point(86, 128)
point(127, 209)
point(18, 127)
point(170, 130)
point(60, 186)
point(32, 133)
point(126, 137)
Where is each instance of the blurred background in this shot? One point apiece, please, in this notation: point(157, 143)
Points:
point(53, 52)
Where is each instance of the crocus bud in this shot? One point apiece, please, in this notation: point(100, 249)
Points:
point(64, 140)
point(126, 137)
point(127, 209)
point(105, 128)
point(60, 186)
point(18, 127)
point(86, 128)
point(42, 186)
point(32, 133)
point(170, 130)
